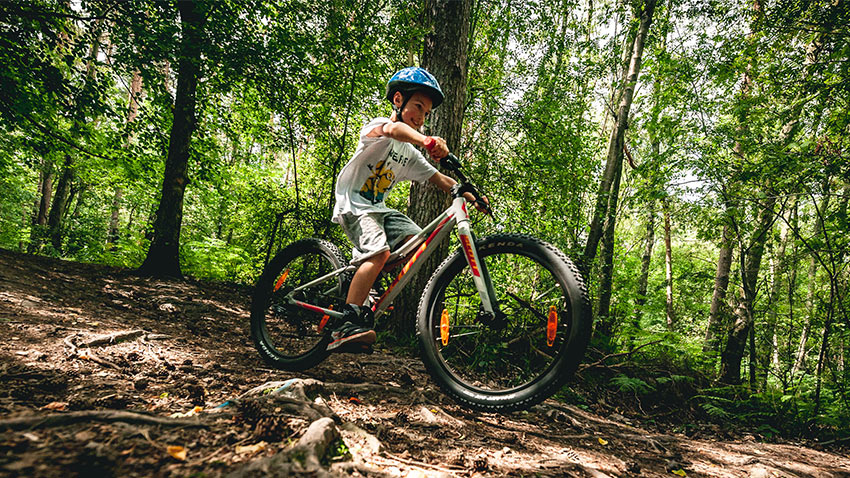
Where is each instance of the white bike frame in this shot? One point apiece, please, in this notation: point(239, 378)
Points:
point(436, 231)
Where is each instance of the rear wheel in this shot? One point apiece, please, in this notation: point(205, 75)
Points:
point(287, 336)
point(525, 353)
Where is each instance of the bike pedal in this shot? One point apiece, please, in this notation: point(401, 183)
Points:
point(355, 348)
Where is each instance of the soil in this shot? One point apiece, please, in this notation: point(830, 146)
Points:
point(105, 373)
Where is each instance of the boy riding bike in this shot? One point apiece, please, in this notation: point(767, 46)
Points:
point(385, 156)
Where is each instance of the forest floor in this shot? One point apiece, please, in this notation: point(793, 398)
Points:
point(105, 373)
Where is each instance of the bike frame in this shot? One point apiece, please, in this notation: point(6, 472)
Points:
point(455, 216)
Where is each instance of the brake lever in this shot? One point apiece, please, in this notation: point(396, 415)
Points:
point(487, 209)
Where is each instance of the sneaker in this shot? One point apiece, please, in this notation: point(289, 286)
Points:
point(350, 334)
point(362, 315)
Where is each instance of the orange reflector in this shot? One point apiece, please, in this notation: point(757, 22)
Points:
point(281, 280)
point(552, 326)
point(444, 327)
point(324, 321)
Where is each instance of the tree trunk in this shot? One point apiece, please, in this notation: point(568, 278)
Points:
point(163, 258)
point(112, 235)
point(732, 355)
point(46, 191)
point(800, 359)
point(45, 187)
point(616, 143)
point(643, 279)
point(605, 325)
point(718, 311)
point(445, 56)
point(827, 329)
point(132, 112)
point(791, 292)
point(668, 262)
point(777, 267)
point(59, 206)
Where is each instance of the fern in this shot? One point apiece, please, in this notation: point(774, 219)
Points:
point(631, 384)
point(714, 411)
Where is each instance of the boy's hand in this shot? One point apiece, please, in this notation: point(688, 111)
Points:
point(478, 204)
point(436, 147)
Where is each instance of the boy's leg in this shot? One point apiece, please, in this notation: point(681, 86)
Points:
point(401, 260)
point(365, 276)
point(371, 251)
point(399, 229)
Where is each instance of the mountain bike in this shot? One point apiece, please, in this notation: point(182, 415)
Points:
point(502, 324)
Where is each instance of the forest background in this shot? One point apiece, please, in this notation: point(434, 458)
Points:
point(691, 156)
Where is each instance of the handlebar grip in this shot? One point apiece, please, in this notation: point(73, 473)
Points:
point(429, 143)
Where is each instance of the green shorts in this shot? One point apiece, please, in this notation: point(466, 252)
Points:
point(377, 232)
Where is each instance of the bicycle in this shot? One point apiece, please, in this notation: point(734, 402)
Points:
point(502, 324)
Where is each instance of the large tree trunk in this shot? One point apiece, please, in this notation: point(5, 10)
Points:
point(609, 188)
point(163, 258)
point(445, 56)
point(606, 198)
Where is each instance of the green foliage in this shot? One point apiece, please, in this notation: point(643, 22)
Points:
point(336, 451)
point(286, 86)
point(631, 384)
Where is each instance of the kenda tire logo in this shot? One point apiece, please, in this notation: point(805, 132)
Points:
point(501, 244)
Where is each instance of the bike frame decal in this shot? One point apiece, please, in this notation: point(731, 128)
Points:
point(470, 256)
point(412, 260)
point(281, 280)
point(318, 310)
point(476, 265)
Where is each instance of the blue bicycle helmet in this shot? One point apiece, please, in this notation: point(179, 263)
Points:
point(413, 79)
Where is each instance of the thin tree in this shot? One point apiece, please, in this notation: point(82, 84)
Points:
point(607, 197)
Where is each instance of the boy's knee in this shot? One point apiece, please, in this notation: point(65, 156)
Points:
point(379, 259)
point(383, 257)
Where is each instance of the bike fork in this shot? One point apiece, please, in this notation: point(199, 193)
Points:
point(480, 275)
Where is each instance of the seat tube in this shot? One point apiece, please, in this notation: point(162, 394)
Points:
point(479, 275)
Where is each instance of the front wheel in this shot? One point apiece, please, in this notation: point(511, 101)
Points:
point(529, 349)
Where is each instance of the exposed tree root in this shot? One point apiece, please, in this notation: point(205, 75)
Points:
point(107, 416)
point(302, 459)
point(112, 338)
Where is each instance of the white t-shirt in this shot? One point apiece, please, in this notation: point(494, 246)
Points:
point(378, 164)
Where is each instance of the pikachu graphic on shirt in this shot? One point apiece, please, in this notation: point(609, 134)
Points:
point(378, 183)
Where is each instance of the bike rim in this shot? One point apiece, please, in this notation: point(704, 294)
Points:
point(290, 330)
point(502, 358)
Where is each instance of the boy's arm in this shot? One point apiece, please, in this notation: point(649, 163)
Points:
point(443, 182)
point(404, 132)
point(446, 182)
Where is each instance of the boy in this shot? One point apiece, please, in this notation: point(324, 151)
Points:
point(384, 156)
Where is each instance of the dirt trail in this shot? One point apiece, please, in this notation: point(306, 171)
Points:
point(107, 374)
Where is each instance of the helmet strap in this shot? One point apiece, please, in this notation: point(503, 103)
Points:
point(398, 110)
